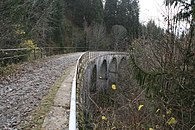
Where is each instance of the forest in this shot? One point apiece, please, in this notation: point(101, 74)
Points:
point(160, 76)
point(73, 23)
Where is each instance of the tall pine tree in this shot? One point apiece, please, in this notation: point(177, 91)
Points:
point(97, 6)
point(110, 12)
point(123, 12)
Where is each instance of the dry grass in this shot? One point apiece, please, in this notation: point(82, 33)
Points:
point(8, 71)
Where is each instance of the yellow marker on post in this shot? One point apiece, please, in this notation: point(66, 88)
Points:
point(114, 86)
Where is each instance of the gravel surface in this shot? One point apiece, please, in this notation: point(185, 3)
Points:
point(20, 93)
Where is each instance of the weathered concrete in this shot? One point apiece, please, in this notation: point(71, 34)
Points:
point(108, 66)
point(57, 119)
point(103, 69)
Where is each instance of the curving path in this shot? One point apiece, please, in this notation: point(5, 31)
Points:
point(20, 93)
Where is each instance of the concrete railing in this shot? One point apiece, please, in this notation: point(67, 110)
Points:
point(81, 63)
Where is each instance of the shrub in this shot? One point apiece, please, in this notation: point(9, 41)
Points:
point(31, 50)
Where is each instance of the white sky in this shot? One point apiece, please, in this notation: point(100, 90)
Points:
point(156, 10)
point(152, 9)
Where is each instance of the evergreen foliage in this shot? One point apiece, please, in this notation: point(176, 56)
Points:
point(164, 66)
point(151, 31)
point(170, 85)
point(45, 22)
point(110, 12)
point(123, 12)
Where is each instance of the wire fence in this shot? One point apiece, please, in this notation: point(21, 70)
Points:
point(16, 55)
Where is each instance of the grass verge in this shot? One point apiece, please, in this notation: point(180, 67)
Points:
point(9, 70)
point(36, 118)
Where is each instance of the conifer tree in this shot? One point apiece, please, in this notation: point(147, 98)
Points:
point(97, 6)
point(110, 12)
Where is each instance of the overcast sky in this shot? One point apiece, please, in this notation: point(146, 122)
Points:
point(155, 9)
point(152, 9)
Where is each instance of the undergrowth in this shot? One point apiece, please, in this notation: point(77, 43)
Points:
point(8, 70)
point(156, 92)
point(125, 106)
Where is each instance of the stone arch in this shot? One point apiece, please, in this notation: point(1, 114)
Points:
point(103, 75)
point(93, 80)
point(122, 63)
point(112, 72)
point(93, 93)
point(122, 67)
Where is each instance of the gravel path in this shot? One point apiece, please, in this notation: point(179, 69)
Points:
point(22, 92)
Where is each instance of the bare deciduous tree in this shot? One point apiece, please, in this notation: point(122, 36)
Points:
point(96, 36)
point(119, 35)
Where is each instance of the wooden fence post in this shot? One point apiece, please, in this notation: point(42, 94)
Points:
point(35, 53)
